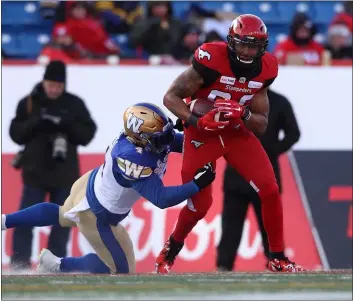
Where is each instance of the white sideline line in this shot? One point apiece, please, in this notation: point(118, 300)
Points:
point(291, 295)
point(306, 206)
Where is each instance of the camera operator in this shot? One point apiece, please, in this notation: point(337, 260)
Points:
point(50, 123)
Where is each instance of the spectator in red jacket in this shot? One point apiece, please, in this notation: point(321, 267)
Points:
point(89, 32)
point(62, 47)
point(300, 48)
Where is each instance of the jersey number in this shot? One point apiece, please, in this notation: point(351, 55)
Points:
point(216, 93)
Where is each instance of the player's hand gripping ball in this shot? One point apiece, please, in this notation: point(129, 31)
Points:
point(211, 118)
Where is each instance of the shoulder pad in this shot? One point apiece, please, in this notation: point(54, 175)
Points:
point(271, 65)
point(209, 54)
point(133, 162)
point(132, 170)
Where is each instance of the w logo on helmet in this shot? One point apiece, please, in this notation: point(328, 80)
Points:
point(134, 123)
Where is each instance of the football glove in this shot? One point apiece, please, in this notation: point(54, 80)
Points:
point(208, 122)
point(204, 176)
point(236, 111)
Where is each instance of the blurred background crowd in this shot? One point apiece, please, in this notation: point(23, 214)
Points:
point(169, 32)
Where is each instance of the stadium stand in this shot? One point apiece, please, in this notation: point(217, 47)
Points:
point(24, 31)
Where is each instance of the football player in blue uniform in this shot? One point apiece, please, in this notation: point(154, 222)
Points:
point(134, 165)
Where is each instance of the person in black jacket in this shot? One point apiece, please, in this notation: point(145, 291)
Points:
point(50, 122)
point(238, 194)
point(159, 31)
point(190, 40)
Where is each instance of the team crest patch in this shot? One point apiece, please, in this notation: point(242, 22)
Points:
point(204, 54)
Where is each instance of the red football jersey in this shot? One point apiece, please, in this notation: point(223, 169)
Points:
point(223, 78)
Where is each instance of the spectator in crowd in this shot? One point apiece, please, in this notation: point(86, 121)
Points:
point(189, 42)
point(159, 31)
point(85, 29)
point(210, 20)
point(62, 47)
point(63, 8)
point(51, 123)
point(345, 17)
point(339, 42)
point(238, 193)
point(300, 48)
point(213, 36)
point(119, 16)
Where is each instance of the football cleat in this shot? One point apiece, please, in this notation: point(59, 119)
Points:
point(48, 262)
point(283, 266)
point(166, 257)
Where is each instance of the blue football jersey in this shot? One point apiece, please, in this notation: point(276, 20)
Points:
point(126, 168)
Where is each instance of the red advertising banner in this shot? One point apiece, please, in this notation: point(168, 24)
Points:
point(149, 226)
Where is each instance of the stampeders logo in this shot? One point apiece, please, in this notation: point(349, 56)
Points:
point(236, 89)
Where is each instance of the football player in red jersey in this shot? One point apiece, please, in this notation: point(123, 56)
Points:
point(236, 76)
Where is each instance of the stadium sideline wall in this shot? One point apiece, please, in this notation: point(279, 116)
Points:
point(317, 176)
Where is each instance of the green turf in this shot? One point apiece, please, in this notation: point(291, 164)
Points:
point(205, 284)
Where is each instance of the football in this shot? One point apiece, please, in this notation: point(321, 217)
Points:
point(201, 106)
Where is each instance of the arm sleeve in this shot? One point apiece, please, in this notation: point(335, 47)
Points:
point(177, 145)
point(290, 128)
point(153, 190)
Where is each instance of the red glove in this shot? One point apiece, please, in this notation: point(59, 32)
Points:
point(236, 111)
point(208, 123)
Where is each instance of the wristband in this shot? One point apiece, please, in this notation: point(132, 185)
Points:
point(193, 120)
point(247, 114)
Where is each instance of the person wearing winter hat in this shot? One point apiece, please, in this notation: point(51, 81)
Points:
point(62, 47)
point(299, 47)
point(339, 41)
point(51, 123)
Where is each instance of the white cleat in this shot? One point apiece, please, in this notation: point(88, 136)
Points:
point(3, 220)
point(48, 262)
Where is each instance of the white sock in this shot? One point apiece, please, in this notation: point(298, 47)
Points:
point(3, 220)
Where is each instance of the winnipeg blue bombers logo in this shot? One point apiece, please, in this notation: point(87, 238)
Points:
point(134, 123)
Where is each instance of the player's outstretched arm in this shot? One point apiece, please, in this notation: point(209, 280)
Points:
point(163, 197)
point(185, 85)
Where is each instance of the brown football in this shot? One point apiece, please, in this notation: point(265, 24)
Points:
point(201, 106)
